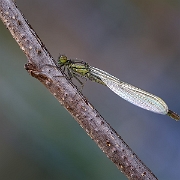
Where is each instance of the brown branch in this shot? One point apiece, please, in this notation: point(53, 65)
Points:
point(66, 93)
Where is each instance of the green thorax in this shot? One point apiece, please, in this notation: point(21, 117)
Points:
point(78, 68)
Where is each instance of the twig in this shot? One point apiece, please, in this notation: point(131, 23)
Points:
point(66, 93)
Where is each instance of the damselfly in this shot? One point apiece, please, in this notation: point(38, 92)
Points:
point(134, 95)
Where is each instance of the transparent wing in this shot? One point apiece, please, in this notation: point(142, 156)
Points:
point(132, 94)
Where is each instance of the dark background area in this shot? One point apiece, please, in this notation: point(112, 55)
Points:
point(136, 41)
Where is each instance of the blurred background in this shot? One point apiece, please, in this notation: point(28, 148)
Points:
point(137, 41)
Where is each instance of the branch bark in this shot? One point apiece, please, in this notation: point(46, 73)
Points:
point(67, 94)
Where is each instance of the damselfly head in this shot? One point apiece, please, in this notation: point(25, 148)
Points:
point(62, 59)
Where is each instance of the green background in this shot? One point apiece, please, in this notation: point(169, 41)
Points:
point(136, 41)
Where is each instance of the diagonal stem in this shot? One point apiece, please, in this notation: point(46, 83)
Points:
point(66, 93)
